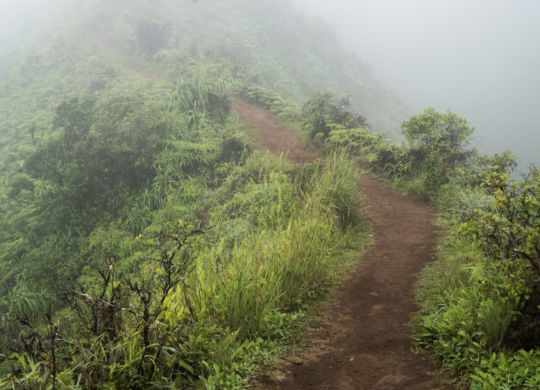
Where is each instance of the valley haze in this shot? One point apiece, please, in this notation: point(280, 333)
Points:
point(478, 58)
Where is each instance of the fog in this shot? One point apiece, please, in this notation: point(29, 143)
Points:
point(18, 19)
point(18, 16)
point(480, 58)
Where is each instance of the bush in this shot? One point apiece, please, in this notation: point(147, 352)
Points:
point(484, 284)
point(508, 371)
point(322, 113)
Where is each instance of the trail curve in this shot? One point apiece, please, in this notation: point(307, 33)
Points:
point(364, 342)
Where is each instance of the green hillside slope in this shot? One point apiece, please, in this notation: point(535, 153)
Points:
point(97, 44)
point(148, 239)
point(143, 243)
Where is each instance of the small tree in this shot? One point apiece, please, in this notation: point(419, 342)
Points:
point(322, 114)
point(438, 143)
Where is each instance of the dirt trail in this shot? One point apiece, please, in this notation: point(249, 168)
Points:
point(365, 340)
point(276, 138)
point(106, 47)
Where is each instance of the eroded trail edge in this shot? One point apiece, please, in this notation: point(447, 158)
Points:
point(365, 340)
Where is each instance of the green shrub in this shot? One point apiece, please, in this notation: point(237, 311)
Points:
point(482, 283)
point(458, 204)
point(508, 371)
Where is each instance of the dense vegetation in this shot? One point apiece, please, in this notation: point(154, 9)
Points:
point(480, 299)
point(147, 242)
point(143, 240)
point(148, 246)
point(179, 304)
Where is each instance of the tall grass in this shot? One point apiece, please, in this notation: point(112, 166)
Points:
point(286, 255)
point(294, 224)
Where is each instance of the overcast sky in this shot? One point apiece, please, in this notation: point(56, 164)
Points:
point(16, 15)
point(19, 16)
point(480, 58)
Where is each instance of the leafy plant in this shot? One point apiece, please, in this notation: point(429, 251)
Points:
point(321, 114)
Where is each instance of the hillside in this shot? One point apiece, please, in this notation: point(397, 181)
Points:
point(178, 189)
point(128, 187)
point(134, 61)
point(104, 43)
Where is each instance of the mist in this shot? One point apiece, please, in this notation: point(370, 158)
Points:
point(18, 19)
point(478, 58)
